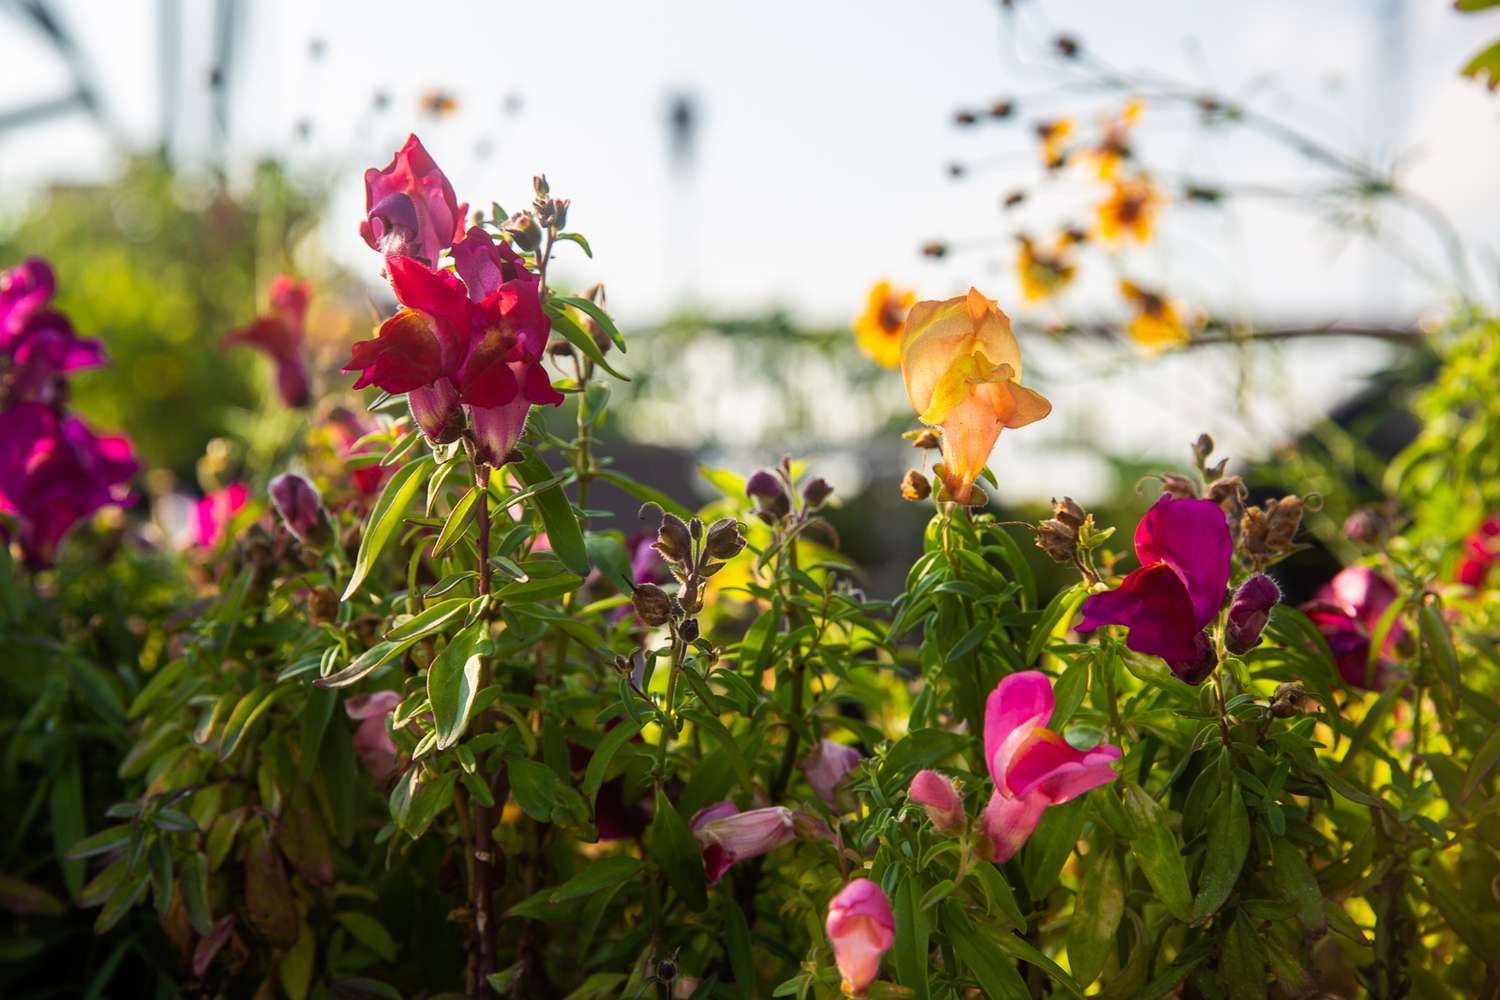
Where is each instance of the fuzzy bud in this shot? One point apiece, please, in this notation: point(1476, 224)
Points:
point(1249, 611)
point(652, 604)
point(1180, 487)
point(724, 539)
point(523, 231)
point(816, 493)
point(944, 806)
point(688, 630)
point(673, 539)
point(914, 486)
point(772, 502)
point(1202, 448)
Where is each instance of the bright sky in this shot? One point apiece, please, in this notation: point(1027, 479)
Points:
point(825, 140)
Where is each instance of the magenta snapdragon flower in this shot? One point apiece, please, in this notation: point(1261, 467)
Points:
point(281, 334)
point(410, 207)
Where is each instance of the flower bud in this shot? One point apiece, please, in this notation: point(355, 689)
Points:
point(772, 503)
point(1282, 520)
point(540, 186)
point(826, 768)
point(1248, 613)
point(1202, 448)
point(652, 604)
point(726, 835)
point(816, 493)
point(1180, 487)
point(944, 806)
point(1069, 512)
point(688, 630)
point(914, 486)
point(673, 540)
point(724, 540)
point(862, 929)
point(523, 231)
point(301, 509)
point(927, 439)
point(1288, 700)
point(1364, 526)
point(1230, 493)
point(437, 410)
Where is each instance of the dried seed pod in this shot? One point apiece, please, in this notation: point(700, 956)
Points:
point(1068, 511)
point(914, 486)
point(322, 606)
point(673, 540)
point(1283, 517)
point(1057, 539)
point(1180, 487)
point(724, 539)
point(652, 604)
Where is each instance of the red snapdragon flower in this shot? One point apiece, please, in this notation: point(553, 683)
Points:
point(1185, 549)
point(410, 208)
point(54, 472)
point(1347, 610)
point(1481, 550)
point(281, 334)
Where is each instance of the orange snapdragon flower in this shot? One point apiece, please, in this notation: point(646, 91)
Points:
point(1130, 210)
point(878, 329)
point(1045, 273)
point(1114, 143)
point(1157, 322)
point(962, 369)
point(1052, 135)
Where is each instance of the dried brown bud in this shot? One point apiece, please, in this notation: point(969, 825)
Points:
point(928, 439)
point(540, 186)
point(523, 230)
point(724, 539)
point(553, 212)
point(1253, 532)
point(1013, 199)
point(560, 348)
point(1202, 448)
point(965, 118)
point(322, 606)
point(673, 540)
point(1230, 493)
point(1057, 539)
point(1289, 699)
point(1067, 46)
point(1282, 520)
point(688, 630)
point(1069, 512)
point(1002, 109)
point(1180, 487)
point(652, 604)
point(935, 248)
point(914, 486)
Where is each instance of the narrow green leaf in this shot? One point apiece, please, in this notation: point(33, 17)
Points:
point(1295, 882)
point(1155, 849)
point(429, 620)
point(644, 493)
point(534, 786)
point(608, 553)
point(597, 313)
point(600, 874)
point(594, 774)
point(365, 663)
point(1228, 844)
point(911, 948)
point(737, 943)
point(385, 518)
point(564, 323)
point(675, 849)
point(1097, 911)
point(452, 683)
point(563, 532)
point(458, 519)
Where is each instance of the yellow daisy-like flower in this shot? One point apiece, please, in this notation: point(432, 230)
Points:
point(962, 368)
point(878, 329)
point(1052, 134)
point(1043, 273)
point(1157, 323)
point(1114, 143)
point(1130, 211)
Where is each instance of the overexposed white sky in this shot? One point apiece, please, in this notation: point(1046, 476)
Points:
point(825, 136)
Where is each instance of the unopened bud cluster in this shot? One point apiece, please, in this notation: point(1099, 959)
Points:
point(1070, 536)
point(693, 553)
point(1264, 533)
point(773, 490)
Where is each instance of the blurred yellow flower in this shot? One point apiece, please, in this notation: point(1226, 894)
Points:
point(1130, 210)
point(438, 103)
point(1052, 134)
point(878, 329)
point(1157, 323)
point(962, 369)
point(1045, 273)
point(1114, 143)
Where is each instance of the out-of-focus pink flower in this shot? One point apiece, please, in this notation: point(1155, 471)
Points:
point(445, 350)
point(410, 208)
point(281, 335)
point(727, 835)
point(217, 510)
point(826, 767)
point(1184, 548)
point(300, 507)
point(372, 738)
point(24, 289)
point(1481, 549)
point(38, 346)
point(54, 472)
point(944, 806)
point(862, 928)
point(1347, 610)
point(1032, 766)
point(1249, 610)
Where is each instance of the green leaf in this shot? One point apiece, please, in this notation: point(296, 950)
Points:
point(589, 253)
point(315, 718)
point(369, 932)
point(1469, 6)
point(564, 323)
point(246, 713)
point(608, 553)
point(1097, 911)
point(1155, 849)
point(563, 532)
point(1051, 845)
point(104, 841)
point(385, 518)
point(1242, 963)
point(429, 620)
point(598, 875)
point(1485, 759)
point(297, 964)
point(918, 749)
point(675, 849)
point(737, 943)
point(195, 892)
point(1228, 844)
point(1296, 884)
point(911, 948)
point(594, 774)
point(595, 312)
point(534, 787)
point(453, 681)
point(644, 493)
point(65, 805)
point(457, 520)
point(978, 957)
point(365, 663)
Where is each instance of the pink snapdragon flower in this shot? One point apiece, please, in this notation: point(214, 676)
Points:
point(217, 510)
point(826, 767)
point(862, 929)
point(1185, 549)
point(372, 738)
point(410, 207)
point(944, 805)
point(281, 334)
point(726, 835)
point(1032, 766)
point(1481, 550)
point(1347, 610)
point(38, 346)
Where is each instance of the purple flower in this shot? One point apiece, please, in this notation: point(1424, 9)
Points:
point(37, 345)
point(1184, 548)
point(216, 512)
point(826, 767)
point(727, 835)
point(300, 507)
point(1249, 610)
point(1347, 610)
point(24, 289)
point(372, 739)
point(54, 472)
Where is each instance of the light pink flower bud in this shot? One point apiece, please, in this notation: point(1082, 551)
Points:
point(372, 740)
point(862, 929)
point(944, 806)
point(826, 767)
point(727, 835)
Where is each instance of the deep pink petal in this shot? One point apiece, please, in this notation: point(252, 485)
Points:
point(1154, 604)
point(405, 354)
point(1047, 765)
point(1191, 536)
point(1009, 822)
point(1019, 702)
